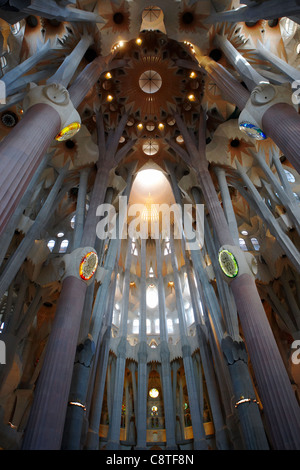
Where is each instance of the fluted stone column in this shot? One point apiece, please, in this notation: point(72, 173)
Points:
point(24, 202)
point(197, 419)
point(45, 426)
point(113, 442)
point(80, 208)
point(272, 9)
point(142, 383)
point(279, 119)
point(227, 204)
point(220, 429)
point(273, 381)
point(18, 257)
point(165, 354)
point(22, 149)
point(245, 398)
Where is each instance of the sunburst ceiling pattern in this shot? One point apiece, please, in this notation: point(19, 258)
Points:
point(152, 85)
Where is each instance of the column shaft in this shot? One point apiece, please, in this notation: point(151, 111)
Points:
point(45, 426)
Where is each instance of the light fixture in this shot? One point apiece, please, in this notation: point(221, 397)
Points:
point(88, 265)
point(179, 139)
point(108, 75)
point(109, 98)
point(191, 97)
point(60, 234)
point(161, 126)
point(139, 41)
point(153, 393)
point(245, 400)
point(140, 126)
point(77, 403)
point(193, 75)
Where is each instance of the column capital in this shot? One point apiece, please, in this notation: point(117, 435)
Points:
point(56, 96)
point(82, 263)
point(262, 97)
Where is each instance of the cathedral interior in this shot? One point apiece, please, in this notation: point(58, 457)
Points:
point(182, 339)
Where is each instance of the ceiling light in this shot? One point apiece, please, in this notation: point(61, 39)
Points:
point(140, 126)
point(138, 41)
point(161, 126)
point(191, 97)
point(109, 98)
point(193, 75)
point(108, 75)
point(179, 139)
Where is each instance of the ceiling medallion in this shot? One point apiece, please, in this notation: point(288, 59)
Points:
point(150, 147)
point(150, 81)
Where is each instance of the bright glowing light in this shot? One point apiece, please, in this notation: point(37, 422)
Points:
point(60, 234)
point(140, 126)
point(150, 178)
point(88, 265)
point(68, 131)
point(191, 97)
point(153, 393)
point(152, 296)
point(193, 75)
point(109, 98)
point(138, 41)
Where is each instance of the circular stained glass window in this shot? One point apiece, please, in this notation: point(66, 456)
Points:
point(153, 393)
point(150, 147)
point(150, 81)
point(252, 131)
point(88, 265)
point(228, 263)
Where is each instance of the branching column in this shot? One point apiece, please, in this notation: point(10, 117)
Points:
point(197, 419)
point(280, 405)
point(165, 354)
point(141, 415)
point(115, 422)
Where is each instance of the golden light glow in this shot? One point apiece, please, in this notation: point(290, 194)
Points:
point(161, 126)
point(68, 132)
point(150, 212)
point(138, 41)
point(140, 126)
point(153, 393)
point(109, 98)
point(88, 265)
point(108, 75)
point(193, 75)
point(191, 97)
